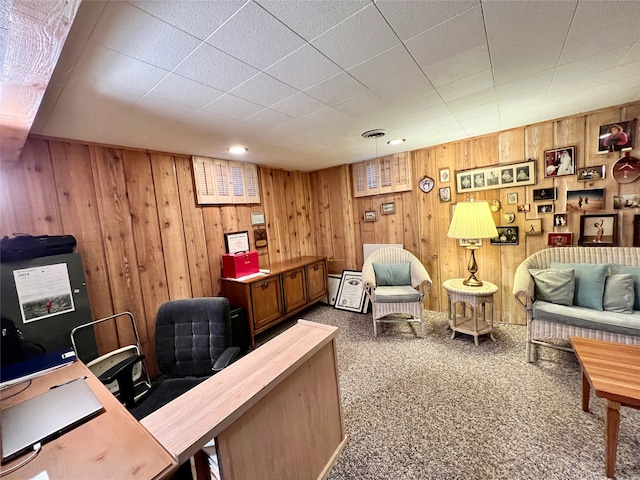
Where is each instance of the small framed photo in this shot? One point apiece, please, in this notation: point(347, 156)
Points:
point(616, 137)
point(560, 239)
point(524, 208)
point(533, 226)
point(560, 161)
point(236, 242)
point(257, 218)
point(543, 194)
point(445, 175)
point(599, 230)
point(545, 208)
point(512, 198)
point(560, 220)
point(465, 242)
point(591, 173)
point(626, 201)
point(388, 208)
point(589, 200)
point(636, 230)
point(444, 194)
point(370, 216)
point(506, 236)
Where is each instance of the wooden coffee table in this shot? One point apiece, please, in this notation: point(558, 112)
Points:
point(613, 370)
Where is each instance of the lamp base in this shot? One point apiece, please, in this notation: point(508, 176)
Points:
point(472, 281)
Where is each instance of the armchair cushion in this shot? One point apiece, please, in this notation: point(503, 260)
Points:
point(396, 294)
point(555, 286)
point(635, 272)
point(392, 274)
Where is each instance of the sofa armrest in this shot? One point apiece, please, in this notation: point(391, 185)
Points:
point(524, 287)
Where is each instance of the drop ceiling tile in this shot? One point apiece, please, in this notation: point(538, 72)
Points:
point(122, 27)
point(525, 66)
point(472, 100)
point(389, 66)
point(336, 89)
point(267, 119)
point(517, 29)
point(303, 68)
point(569, 87)
point(409, 18)
point(413, 103)
point(335, 121)
point(589, 65)
point(633, 55)
point(264, 90)
point(210, 66)
point(232, 107)
point(628, 72)
point(487, 125)
point(525, 84)
point(100, 64)
point(465, 86)
point(477, 113)
point(599, 41)
point(184, 91)
point(592, 16)
point(198, 18)
point(453, 50)
point(255, 37)
point(311, 18)
point(352, 42)
point(367, 107)
point(298, 105)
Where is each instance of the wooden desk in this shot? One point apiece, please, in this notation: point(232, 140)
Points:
point(112, 445)
point(613, 370)
point(275, 413)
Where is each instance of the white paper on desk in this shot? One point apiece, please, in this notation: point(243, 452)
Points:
point(259, 274)
point(41, 476)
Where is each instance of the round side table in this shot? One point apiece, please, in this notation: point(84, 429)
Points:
point(475, 297)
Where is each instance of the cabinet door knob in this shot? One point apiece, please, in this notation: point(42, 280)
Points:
point(315, 268)
point(265, 285)
point(294, 274)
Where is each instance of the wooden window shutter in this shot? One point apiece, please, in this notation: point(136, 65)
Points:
point(401, 172)
point(251, 181)
point(386, 179)
point(371, 167)
point(223, 182)
point(359, 179)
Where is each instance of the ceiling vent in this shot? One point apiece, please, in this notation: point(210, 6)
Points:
point(377, 133)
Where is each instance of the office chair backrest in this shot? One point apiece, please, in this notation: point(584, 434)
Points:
point(190, 335)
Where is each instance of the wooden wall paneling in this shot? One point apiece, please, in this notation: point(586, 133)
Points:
point(366, 229)
point(430, 232)
point(80, 218)
point(119, 246)
point(320, 195)
point(304, 206)
point(341, 213)
point(194, 232)
point(243, 214)
point(292, 212)
point(174, 252)
point(147, 237)
point(410, 220)
point(34, 196)
point(10, 173)
point(275, 221)
point(214, 234)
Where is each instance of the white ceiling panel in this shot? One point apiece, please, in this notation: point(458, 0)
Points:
point(254, 36)
point(199, 18)
point(307, 78)
point(357, 39)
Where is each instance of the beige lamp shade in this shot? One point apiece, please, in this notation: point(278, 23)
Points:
point(472, 220)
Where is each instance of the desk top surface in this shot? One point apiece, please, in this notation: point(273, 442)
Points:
point(112, 445)
point(613, 369)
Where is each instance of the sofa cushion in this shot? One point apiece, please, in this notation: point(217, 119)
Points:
point(392, 274)
point(619, 293)
point(635, 271)
point(612, 322)
point(396, 294)
point(554, 285)
point(590, 278)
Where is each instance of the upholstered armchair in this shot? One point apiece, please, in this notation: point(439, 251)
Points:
point(395, 282)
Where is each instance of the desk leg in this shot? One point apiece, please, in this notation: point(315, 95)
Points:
point(612, 424)
point(586, 390)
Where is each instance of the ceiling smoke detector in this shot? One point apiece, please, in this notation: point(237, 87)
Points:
point(377, 133)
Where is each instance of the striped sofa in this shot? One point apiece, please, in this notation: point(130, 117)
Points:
point(550, 324)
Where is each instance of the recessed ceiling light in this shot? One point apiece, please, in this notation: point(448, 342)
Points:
point(397, 141)
point(237, 149)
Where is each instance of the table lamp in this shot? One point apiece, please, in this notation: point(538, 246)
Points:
point(472, 221)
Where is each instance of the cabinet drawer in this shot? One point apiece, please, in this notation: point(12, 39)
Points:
point(295, 289)
point(317, 280)
point(266, 301)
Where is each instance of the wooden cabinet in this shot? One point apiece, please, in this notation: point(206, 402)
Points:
point(268, 299)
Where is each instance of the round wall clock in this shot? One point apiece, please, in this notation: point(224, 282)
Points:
point(426, 184)
point(626, 170)
point(495, 205)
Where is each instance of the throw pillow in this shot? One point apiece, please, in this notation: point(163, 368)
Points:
point(590, 278)
point(392, 274)
point(555, 286)
point(635, 272)
point(619, 293)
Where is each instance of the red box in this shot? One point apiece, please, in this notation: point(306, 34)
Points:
point(236, 265)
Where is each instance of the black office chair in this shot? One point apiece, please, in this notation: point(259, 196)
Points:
point(193, 339)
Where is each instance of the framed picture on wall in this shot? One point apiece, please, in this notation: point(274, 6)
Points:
point(533, 226)
point(616, 137)
point(498, 176)
point(506, 236)
point(636, 230)
point(591, 173)
point(560, 161)
point(588, 200)
point(560, 239)
point(599, 230)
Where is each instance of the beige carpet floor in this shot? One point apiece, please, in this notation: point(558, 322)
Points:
point(437, 408)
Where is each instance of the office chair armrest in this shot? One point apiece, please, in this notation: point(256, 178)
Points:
point(228, 356)
point(123, 374)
